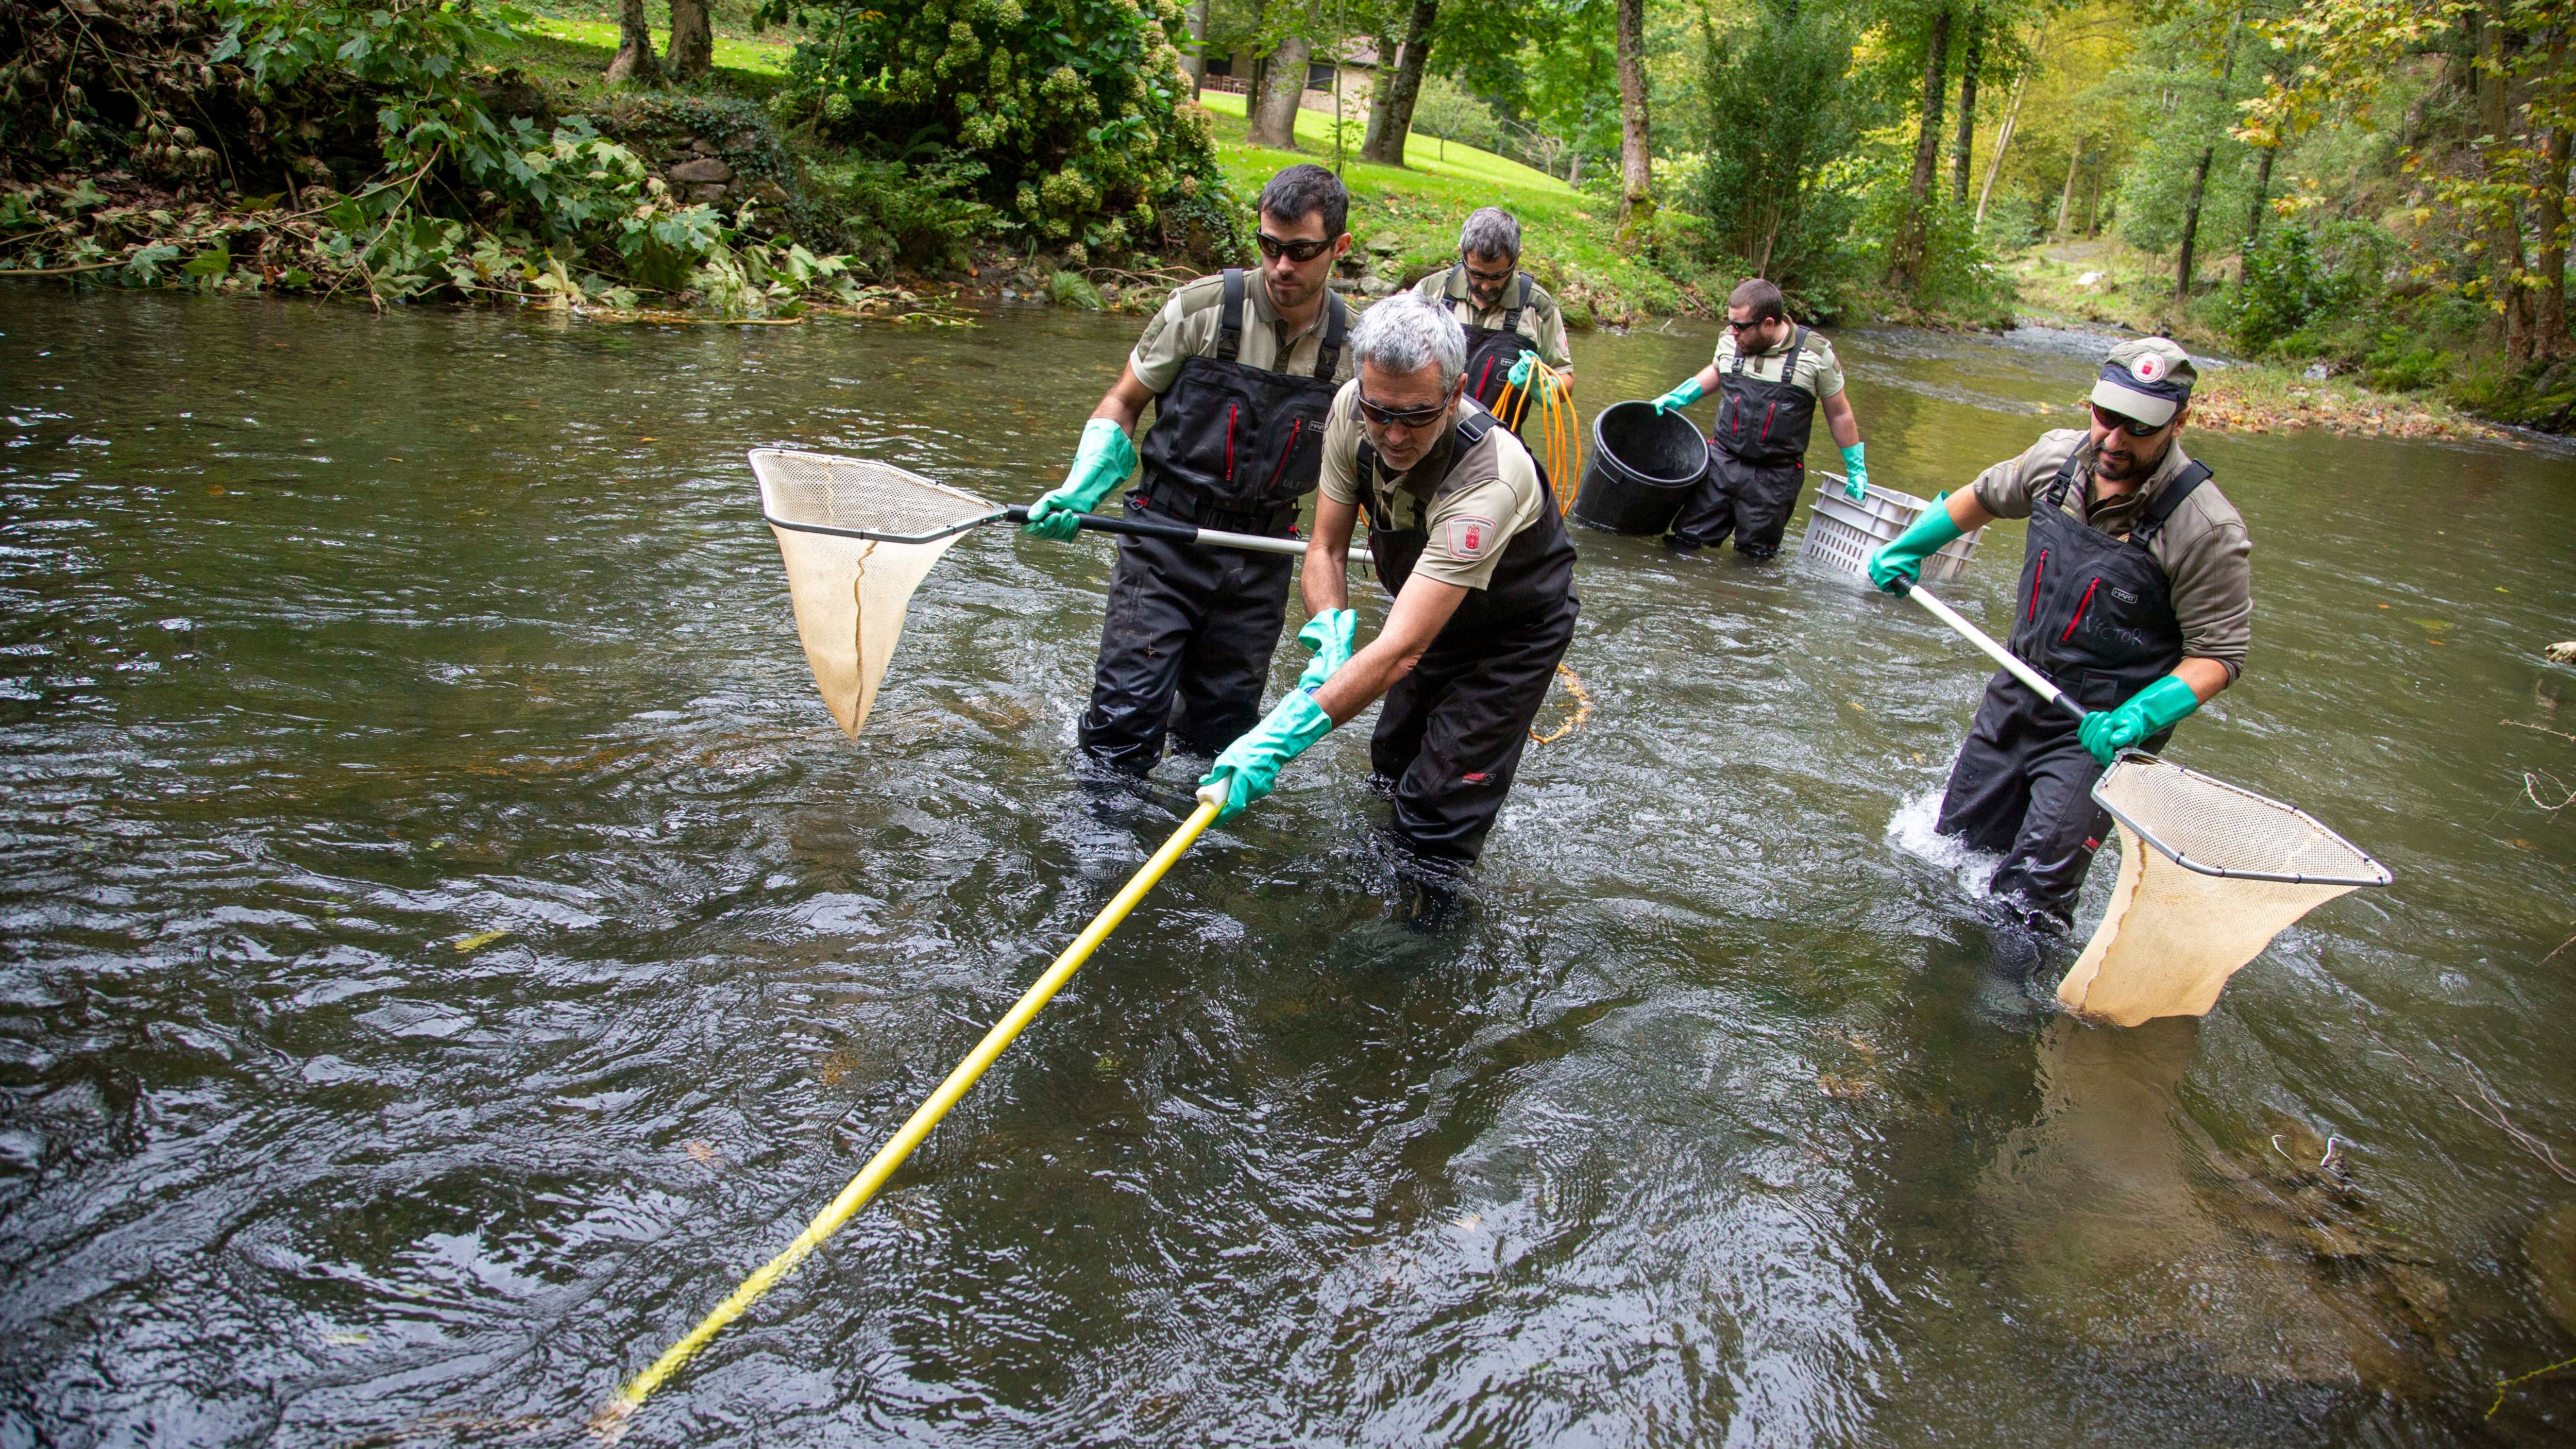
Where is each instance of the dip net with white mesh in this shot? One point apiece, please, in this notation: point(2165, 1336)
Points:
point(857, 538)
point(2209, 874)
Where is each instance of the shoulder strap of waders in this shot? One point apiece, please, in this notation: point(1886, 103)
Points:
point(1336, 323)
point(1229, 343)
point(1797, 345)
point(2162, 506)
point(2065, 478)
point(1367, 475)
point(1512, 317)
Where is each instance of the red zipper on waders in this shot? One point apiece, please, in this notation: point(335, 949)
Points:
point(1773, 412)
point(2080, 606)
point(1294, 429)
point(2038, 571)
point(1231, 410)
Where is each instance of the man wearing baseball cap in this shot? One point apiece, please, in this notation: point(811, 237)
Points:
point(2136, 600)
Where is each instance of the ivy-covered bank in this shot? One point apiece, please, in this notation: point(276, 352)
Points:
point(398, 154)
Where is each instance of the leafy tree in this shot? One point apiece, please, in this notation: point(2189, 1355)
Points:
point(1072, 106)
point(1781, 108)
point(1446, 110)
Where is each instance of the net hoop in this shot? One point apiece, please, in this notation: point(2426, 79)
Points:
point(793, 502)
point(2108, 792)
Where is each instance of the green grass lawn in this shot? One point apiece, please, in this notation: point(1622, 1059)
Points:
point(732, 52)
point(1568, 238)
point(1426, 154)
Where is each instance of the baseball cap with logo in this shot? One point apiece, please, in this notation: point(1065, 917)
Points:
point(2146, 379)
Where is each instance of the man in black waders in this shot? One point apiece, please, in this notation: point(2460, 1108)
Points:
point(1465, 534)
point(2136, 600)
point(1771, 375)
point(1241, 370)
point(1504, 311)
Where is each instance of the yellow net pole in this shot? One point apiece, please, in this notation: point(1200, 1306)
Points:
point(926, 1116)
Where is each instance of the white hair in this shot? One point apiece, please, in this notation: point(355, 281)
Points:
point(1490, 232)
point(1407, 332)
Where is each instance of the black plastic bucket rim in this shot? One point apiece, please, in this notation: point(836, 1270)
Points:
point(1602, 450)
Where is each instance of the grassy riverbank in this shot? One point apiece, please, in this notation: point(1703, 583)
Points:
point(2423, 394)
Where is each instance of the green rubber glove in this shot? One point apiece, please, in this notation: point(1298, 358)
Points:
point(1904, 558)
point(2152, 710)
point(1250, 766)
point(1103, 462)
point(1856, 472)
point(1330, 634)
point(1681, 397)
point(1521, 373)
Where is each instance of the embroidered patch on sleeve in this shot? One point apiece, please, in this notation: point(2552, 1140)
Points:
point(1469, 536)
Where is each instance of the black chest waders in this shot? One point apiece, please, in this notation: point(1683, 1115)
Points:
point(1493, 351)
point(1450, 735)
point(1757, 459)
point(1186, 642)
point(2095, 615)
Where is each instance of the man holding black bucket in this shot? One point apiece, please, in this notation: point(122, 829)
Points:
point(1240, 371)
point(2136, 600)
point(1771, 376)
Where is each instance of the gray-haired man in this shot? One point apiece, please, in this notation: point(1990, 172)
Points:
point(1467, 537)
point(1504, 311)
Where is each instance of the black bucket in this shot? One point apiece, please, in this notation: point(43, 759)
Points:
point(1643, 464)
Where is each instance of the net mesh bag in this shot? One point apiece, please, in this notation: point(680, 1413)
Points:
point(857, 538)
point(2209, 874)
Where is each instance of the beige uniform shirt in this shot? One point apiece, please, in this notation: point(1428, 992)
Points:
point(1542, 321)
point(1190, 326)
point(1819, 371)
point(2202, 547)
point(1485, 496)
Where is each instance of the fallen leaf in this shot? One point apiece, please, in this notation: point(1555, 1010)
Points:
point(702, 1152)
point(479, 940)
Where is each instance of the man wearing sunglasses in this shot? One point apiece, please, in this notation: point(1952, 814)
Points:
point(1241, 370)
point(1467, 538)
point(2136, 600)
point(1505, 312)
point(1771, 377)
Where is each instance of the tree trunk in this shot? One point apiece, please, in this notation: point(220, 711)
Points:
point(1963, 151)
point(1283, 89)
point(2004, 133)
point(635, 60)
point(692, 51)
point(2200, 173)
point(2191, 223)
point(1197, 61)
point(2549, 321)
point(1391, 115)
point(1636, 148)
point(2262, 199)
point(2066, 198)
point(1911, 232)
point(2504, 221)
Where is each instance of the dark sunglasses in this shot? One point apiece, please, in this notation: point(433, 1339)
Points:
point(2124, 423)
point(1403, 417)
point(1504, 275)
point(1742, 327)
point(1295, 251)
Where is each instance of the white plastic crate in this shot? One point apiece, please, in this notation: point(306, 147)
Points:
point(1842, 532)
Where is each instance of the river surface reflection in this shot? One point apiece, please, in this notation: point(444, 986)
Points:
point(444, 945)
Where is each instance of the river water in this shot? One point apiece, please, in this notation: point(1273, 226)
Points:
point(447, 946)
